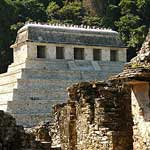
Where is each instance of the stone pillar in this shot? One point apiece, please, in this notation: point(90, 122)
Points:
point(20, 53)
point(88, 53)
point(69, 52)
point(105, 54)
point(141, 115)
point(32, 50)
point(122, 55)
point(51, 51)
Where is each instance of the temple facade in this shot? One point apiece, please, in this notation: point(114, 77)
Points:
point(48, 59)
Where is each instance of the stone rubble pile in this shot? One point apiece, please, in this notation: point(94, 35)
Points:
point(13, 137)
point(96, 116)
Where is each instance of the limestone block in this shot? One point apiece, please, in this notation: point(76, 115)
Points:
point(51, 51)
point(10, 85)
point(10, 77)
point(6, 95)
point(105, 54)
point(52, 85)
point(88, 52)
point(122, 55)
point(69, 52)
point(31, 50)
point(47, 64)
point(20, 53)
point(31, 106)
point(16, 66)
point(36, 94)
point(53, 74)
point(3, 105)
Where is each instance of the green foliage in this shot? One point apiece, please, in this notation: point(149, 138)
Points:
point(30, 10)
point(112, 14)
point(7, 16)
point(52, 11)
point(92, 21)
point(134, 21)
point(71, 13)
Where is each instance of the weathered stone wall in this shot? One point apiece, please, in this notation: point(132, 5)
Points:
point(97, 116)
point(136, 74)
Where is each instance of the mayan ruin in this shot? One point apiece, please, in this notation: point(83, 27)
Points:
point(74, 75)
point(105, 115)
point(48, 59)
point(94, 115)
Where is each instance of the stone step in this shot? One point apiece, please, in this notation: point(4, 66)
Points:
point(90, 76)
point(3, 105)
point(16, 67)
point(60, 74)
point(110, 68)
point(7, 86)
point(31, 106)
point(53, 74)
point(47, 64)
point(81, 65)
point(30, 120)
point(8, 77)
point(7, 95)
point(52, 85)
point(39, 64)
point(38, 94)
point(111, 63)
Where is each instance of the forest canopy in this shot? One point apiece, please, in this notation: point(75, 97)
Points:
point(129, 17)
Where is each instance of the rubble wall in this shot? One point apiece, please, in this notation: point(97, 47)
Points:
point(141, 116)
point(13, 137)
point(96, 116)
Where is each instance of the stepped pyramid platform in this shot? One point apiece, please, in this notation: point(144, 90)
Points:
point(48, 59)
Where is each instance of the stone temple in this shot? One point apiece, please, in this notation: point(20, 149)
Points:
point(48, 59)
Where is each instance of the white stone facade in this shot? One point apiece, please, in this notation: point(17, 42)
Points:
point(33, 85)
point(29, 51)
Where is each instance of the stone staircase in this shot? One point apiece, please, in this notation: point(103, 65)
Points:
point(30, 89)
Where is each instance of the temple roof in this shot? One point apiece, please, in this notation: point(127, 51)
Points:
point(138, 69)
point(69, 35)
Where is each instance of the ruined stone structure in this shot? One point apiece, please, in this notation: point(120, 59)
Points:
point(137, 75)
point(110, 115)
point(49, 58)
point(14, 137)
point(97, 116)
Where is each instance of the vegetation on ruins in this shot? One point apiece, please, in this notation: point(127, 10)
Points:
point(129, 17)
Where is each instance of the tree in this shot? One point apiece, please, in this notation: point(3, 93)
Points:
point(134, 21)
point(16, 13)
point(52, 11)
point(71, 12)
point(7, 8)
point(30, 10)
